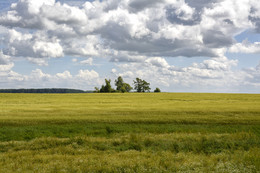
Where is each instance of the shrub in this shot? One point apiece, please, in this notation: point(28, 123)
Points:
point(157, 90)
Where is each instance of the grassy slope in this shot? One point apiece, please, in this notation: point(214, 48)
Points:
point(130, 132)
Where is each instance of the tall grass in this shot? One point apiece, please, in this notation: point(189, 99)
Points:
point(130, 132)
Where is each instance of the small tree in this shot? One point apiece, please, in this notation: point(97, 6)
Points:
point(127, 87)
point(121, 86)
point(141, 85)
point(157, 90)
point(96, 90)
point(106, 88)
point(102, 89)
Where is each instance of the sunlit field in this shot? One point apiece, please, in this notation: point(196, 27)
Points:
point(130, 132)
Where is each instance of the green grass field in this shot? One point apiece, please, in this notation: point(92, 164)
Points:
point(150, 132)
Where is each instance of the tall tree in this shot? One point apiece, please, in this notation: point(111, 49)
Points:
point(119, 82)
point(141, 85)
point(108, 88)
point(138, 85)
point(121, 86)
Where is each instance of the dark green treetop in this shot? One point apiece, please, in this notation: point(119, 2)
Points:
point(121, 86)
point(107, 87)
point(141, 85)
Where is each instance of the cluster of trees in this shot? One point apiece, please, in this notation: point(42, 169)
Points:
point(44, 90)
point(139, 85)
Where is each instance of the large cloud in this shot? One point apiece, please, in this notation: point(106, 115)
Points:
point(154, 28)
point(32, 46)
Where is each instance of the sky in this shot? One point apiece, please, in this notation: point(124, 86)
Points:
point(176, 45)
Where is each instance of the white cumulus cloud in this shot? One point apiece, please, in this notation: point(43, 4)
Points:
point(245, 47)
point(136, 28)
point(88, 61)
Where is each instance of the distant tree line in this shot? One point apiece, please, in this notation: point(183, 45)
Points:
point(45, 90)
point(122, 87)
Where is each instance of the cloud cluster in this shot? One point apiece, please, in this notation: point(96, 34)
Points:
point(162, 28)
point(245, 47)
point(211, 75)
point(32, 46)
point(84, 79)
point(5, 63)
point(4, 59)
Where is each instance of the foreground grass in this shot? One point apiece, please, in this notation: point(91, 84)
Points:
point(133, 132)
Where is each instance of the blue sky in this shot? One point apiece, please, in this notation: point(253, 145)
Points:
point(176, 45)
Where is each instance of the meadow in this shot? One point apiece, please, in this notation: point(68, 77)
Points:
point(130, 132)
